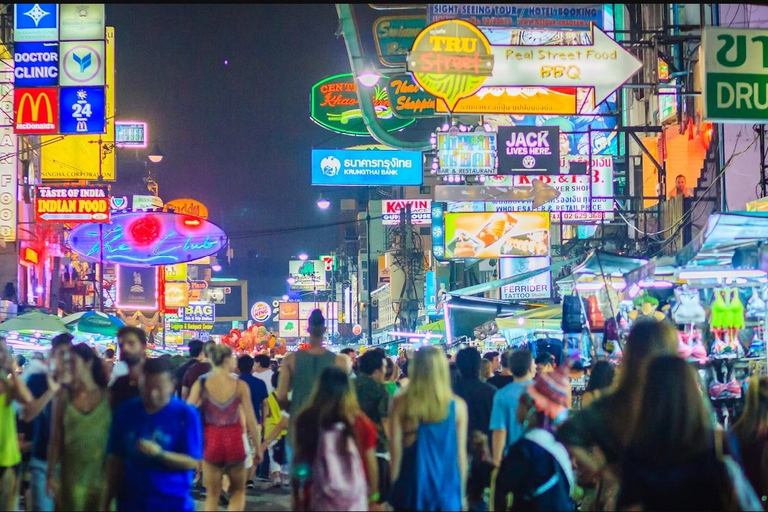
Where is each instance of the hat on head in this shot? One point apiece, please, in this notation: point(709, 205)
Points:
point(551, 392)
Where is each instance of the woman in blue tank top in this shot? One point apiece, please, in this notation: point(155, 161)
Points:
point(429, 438)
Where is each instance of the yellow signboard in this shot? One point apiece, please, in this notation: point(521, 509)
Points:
point(76, 157)
point(451, 60)
point(176, 295)
point(516, 100)
point(187, 206)
point(176, 272)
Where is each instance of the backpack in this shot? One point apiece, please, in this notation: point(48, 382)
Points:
point(338, 478)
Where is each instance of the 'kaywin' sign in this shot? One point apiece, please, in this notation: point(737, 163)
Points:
point(366, 167)
point(735, 74)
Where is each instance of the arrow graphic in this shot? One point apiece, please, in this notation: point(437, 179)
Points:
point(66, 216)
point(540, 193)
point(604, 66)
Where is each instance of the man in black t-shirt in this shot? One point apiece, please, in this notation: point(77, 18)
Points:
point(195, 355)
point(132, 342)
point(505, 377)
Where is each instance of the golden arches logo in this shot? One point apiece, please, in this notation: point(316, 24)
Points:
point(451, 60)
point(34, 110)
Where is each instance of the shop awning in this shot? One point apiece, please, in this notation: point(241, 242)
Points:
point(493, 285)
point(725, 232)
point(600, 267)
point(438, 326)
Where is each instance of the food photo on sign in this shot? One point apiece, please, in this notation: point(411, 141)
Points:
point(496, 235)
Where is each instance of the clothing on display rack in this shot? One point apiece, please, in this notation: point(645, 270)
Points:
point(688, 309)
point(756, 304)
point(727, 310)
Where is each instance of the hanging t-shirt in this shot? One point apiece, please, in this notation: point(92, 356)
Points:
point(148, 484)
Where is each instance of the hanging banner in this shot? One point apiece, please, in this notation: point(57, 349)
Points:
point(394, 36)
point(529, 150)
point(335, 107)
point(136, 287)
point(72, 204)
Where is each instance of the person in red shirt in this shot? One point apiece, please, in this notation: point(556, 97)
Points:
point(334, 401)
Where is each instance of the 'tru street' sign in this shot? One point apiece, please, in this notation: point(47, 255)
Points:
point(452, 59)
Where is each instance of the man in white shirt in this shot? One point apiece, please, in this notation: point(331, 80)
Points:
point(261, 370)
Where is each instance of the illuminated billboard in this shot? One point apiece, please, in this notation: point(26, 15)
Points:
point(294, 317)
point(462, 151)
point(149, 238)
point(72, 204)
point(421, 211)
point(131, 134)
point(36, 110)
point(136, 287)
point(496, 235)
point(372, 168)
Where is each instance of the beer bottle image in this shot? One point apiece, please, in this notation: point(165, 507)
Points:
point(499, 224)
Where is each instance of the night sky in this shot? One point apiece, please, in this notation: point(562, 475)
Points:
point(237, 137)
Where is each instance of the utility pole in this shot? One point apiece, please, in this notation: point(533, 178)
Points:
point(369, 283)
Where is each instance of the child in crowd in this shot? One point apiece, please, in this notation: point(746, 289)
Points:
point(480, 471)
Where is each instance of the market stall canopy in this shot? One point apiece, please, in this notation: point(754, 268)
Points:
point(437, 327)
point(493, 285)
point(548, 317)
point(725, 232)
point(34, 321)
point(94, 322)
point(600, 267)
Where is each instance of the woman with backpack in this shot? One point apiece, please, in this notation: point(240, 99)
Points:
point(536, 474)
point(428, 449)
point(223, 399)
point(335, 449)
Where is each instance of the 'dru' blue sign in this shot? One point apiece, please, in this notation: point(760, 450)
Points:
point(366, 167)
point(82, 110)
point(36, 64)
point(36, 22)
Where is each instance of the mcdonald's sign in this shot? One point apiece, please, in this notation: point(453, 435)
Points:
point(36, 110)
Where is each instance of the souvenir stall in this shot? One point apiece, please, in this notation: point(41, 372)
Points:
point(597, 309)
point(32, 332)
point(719, 305)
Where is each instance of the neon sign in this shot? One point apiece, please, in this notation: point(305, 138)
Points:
point(148, 238)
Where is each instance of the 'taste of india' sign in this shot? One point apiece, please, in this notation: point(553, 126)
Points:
point(72, 204)
point(451, 60)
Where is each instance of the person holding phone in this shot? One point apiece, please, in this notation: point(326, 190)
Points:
point(12, 388)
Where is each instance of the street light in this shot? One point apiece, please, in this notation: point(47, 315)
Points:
point(291, 280)
point(285, 298)
point(323, 203)
point(303, 256)
point(216, 268)
point(155, 156)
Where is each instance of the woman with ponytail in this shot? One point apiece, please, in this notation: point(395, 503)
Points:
point(81, 421)
point(749, 437)
point(223, 401)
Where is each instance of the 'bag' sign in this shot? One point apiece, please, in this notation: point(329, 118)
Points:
point(735, 75)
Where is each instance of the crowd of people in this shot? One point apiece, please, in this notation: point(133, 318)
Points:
point(81, 431)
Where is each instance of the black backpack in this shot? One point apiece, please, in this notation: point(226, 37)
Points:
point(573, 316)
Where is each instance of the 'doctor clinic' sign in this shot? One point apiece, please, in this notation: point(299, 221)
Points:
point(735, 75)
point(374, 168)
